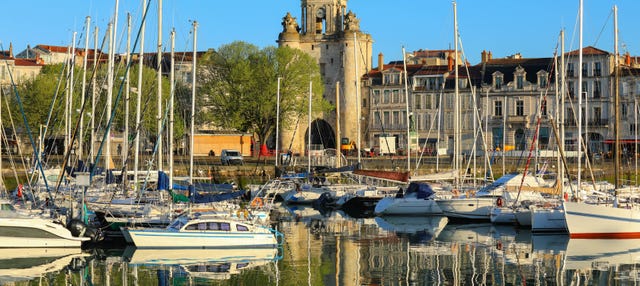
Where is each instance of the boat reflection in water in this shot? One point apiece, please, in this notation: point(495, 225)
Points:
point(214, 264)
point(334, 249)
point(23, 264)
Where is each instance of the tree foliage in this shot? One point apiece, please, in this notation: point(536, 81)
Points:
point(239, 82)
point(43, 99)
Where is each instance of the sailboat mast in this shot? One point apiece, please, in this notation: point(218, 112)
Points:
point(125, 137)
point(84, 84)
point(406, 96)
point(338, 138)
point(139, 100)
point(562, 103)
point(580, 98)
point(278, 121)
point(159, 81)
point(309, 134)
point(107, 154)
point(616, 103)
point(358, 105)
point(172, 90)
point(193, 101)
point(94, 91)
point(72, 64)
point(456, 107)
point(125, 142)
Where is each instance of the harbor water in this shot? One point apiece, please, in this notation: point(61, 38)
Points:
point(332, 248)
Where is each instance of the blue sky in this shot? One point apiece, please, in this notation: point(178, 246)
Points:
point(504, 27)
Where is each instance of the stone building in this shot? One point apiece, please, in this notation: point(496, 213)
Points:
point(331, 35)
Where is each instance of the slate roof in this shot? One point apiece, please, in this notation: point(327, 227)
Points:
point(507, 66)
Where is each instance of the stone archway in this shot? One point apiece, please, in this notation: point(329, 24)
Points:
point(321, 135)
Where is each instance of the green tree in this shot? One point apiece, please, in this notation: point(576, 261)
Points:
point(43, 97)
point(238, 87)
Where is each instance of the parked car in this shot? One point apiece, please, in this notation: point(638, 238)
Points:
point(231, 157)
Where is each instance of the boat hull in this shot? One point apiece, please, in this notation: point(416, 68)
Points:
point(162, 238)
point(548, 220)
point(35, 233)
point(407, 206)
point(601, 221)
point(467, 208)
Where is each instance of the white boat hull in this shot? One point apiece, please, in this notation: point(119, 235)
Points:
point(162, 238)
point(601, 221)
point(503, 215)
point(34, 233)
point(407, 206)
point(467, 208)
point(548, 220)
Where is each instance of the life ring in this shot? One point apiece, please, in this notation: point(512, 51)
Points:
point(257, 202)
point(499, 201)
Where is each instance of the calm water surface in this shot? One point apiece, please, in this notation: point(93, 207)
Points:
point(335, 249)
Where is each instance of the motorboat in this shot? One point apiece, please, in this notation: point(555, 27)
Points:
point(205, 230)
point(417, 200)
point(18, 230)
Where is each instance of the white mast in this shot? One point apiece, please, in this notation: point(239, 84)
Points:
point(107, 157)
point(562, 104)
point(159, 80)
point(138, 99)
point(406, 96)
point(338, 139)
point(125, 142)
point(580, 96)
point(616, 105)
point(72, 64)
point(358, 104)
point(456, 107)
point(93, 97)
point(278, 121)
point(504, 135)
point(171, 101)
point(84, 85)
point(309, 133)
point(193, 102)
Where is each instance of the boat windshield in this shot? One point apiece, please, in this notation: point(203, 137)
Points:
point(176, 225)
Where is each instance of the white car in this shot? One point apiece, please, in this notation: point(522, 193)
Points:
point(229, 157)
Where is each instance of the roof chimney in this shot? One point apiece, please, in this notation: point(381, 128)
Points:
point(449, 62)
point(627, 59)
point(380, 62)
point(483, 56)
point(10, 50)
point(489, 56)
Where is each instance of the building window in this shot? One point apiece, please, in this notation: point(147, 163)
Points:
point(623, 110)
point(386, 119)
point(396, 96)
point(386, 96)
point(427, 101)
point(585, 69)
point(542, 80)
point(418, 101)
point(570, 70)
point(396, 118)
point(571, 89)
point(632, 128)
point(520, 81)
point(543, 107)
point(585, 89)
point(497, 108)
point(497, 82)
point(596, 89)
point(597, 116)
point(427, 121)
point(597, 69)
point(376, 96)
point(520, 108)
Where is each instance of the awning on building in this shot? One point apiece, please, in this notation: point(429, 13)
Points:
point(622, 141)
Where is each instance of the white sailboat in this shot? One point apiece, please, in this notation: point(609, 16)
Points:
point(605, 220)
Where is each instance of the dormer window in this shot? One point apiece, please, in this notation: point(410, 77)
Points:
point(498, 80)
point(519, 75)
point(392, 78)
point(543, 79)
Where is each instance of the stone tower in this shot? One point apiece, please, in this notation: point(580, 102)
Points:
point(332, 36)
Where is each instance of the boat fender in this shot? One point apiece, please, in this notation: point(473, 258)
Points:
point(257, 202)
point(499, 202)
point(499, 245)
